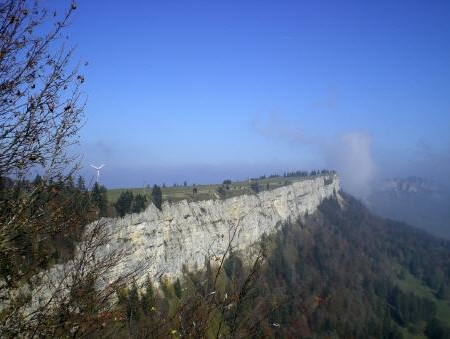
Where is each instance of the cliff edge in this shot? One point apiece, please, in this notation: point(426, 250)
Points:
point(183, 234)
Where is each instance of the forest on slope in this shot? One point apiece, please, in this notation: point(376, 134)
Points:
point(339, 273)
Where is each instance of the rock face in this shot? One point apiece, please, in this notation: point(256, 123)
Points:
point(184, 234)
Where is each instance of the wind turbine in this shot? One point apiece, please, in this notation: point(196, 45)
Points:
point(98, 170)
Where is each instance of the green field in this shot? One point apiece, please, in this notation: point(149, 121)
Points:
point(410, 283)
point(209, 191)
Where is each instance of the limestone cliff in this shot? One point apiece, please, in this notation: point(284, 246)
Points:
point(185, 233)
point(181, 235)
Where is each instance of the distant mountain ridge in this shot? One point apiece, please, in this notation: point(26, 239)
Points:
point(411, 184)
point(415, 200)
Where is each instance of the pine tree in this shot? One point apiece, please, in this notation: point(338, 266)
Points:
point(100, 199)
point(139, 203)
point(124, 203)
point(157, 197)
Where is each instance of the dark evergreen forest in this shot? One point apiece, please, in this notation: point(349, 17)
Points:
point(340, 273)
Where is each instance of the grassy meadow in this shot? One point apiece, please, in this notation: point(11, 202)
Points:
point(207, 191)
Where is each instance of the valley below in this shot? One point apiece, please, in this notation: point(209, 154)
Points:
point(302, 260)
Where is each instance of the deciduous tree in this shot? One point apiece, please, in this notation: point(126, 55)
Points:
point(41, 112)
point(40, 115)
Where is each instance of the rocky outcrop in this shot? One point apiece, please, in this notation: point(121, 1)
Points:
point(183, 234)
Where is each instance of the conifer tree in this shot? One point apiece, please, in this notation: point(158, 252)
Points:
point(100, 199)
point(157, 197)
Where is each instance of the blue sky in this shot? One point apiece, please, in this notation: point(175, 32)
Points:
point(207, 90)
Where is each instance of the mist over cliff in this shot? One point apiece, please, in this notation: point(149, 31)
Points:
point(415, 200)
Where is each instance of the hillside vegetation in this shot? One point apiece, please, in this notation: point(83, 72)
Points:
point(339, 273)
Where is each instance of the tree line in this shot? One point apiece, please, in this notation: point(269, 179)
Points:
point(333, 274)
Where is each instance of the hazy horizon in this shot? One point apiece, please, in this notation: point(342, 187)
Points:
point(202, 91)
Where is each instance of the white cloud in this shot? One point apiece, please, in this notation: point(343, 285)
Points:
point(351, 155)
